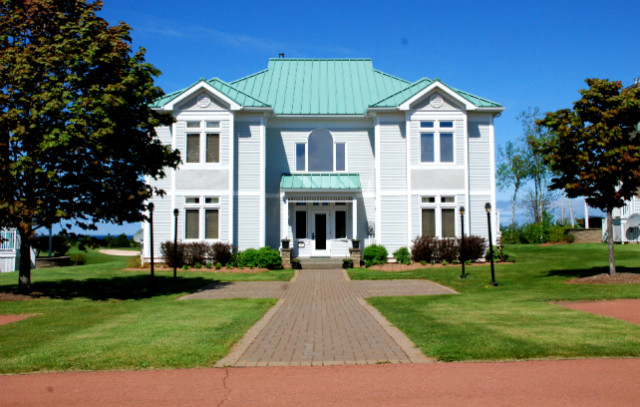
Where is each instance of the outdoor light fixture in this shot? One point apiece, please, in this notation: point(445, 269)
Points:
point(462, 259)
point(176, 212)
point(150, 208)
point(487, 207)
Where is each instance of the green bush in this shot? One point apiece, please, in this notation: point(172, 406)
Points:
point(347, 263)
point(247, 258)
point(78, 259)
point(402, 255)
point(120, 241)
point(269, 258)
point(375, 254)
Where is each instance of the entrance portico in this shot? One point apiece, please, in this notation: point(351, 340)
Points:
point(319, 213)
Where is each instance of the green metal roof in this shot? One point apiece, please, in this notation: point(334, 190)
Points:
point(321, 87)
point(320, 181)
point(241, 98)
point(413, 89)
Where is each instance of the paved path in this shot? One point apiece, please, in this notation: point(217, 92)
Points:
point(583, 383)
point(119, 252)
point(322, 319)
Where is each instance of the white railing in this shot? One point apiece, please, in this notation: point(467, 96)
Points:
point(8, 240)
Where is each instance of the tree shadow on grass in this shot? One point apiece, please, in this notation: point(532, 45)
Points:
point(580, 273)
point(118, 288)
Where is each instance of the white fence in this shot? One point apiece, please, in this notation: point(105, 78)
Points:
point(9, 245)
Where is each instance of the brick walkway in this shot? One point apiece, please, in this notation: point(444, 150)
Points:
point(322, 319)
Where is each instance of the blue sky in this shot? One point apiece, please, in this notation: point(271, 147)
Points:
point(519, 54)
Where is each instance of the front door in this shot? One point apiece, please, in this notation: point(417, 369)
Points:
point(320, 232)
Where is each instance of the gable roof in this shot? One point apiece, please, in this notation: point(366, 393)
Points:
point(320, 87)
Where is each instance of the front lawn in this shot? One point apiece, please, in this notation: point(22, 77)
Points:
point(100, 317)
point(517, 320)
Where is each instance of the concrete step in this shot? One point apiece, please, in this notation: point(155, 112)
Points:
point(321, 262)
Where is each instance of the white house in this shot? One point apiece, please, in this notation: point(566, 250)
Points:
point(321, 151)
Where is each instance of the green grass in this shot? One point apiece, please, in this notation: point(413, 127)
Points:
point(100, 317)
point(517, 320)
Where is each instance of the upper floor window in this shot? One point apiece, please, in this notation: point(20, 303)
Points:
point(436, 141)
point(203, 142)
point(321, 153)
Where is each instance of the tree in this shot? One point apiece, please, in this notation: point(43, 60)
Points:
point(595, 149)
point(77, 135)
point(535, 135)
point(512, 171)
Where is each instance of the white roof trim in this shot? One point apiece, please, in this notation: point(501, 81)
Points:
point(437, 85)
point(197, 87)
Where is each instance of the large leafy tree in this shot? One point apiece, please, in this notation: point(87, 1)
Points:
point(594, 148)
point(76, 132)
point(512, 171)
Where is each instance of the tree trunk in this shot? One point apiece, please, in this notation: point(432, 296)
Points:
point(24, 277)
point(612, 263)
point(513, 208)
point(562, 209)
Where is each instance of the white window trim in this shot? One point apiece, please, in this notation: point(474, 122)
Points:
point(203, 130)
point(438, 206)
point(202, 207)
point(436, 130)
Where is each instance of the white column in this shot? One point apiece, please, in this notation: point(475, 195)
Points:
point(354, 214)
point(586, 215)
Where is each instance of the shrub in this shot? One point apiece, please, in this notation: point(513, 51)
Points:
point(498, 254)
point(347, 263)
point(196, 252)
point(448, 250)
point(295, 264)
point(559, 233)
point(221, 252)
point(474, 248)
point(402, 255)
point(269, 258)
point(171, 260)
point(425, 248)
point(78, 259)
point(218, 266)
point(375, 254)
point(120, 241)
point(247, 258)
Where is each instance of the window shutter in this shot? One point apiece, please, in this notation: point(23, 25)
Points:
point(192, 224)
point(428, 222)
point(211, 224)
point(213, 148)
point(448, 223)
point(193, 148)
point(446, 147)
point(426, 148)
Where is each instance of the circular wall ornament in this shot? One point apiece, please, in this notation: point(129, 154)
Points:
point(204, 101)
point(436, 101)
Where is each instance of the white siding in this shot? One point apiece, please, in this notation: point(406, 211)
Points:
point(479, 157)
point(394, 222)
point(247, 221)
point(393, 152)
point(247, 157)
point(478, 215)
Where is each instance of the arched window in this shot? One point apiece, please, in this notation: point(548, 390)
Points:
point(320, 150)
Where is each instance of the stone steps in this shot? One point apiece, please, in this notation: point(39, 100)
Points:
point(321, 263)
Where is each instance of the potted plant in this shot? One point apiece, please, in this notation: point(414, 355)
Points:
point(285, 243)
point(356, 243)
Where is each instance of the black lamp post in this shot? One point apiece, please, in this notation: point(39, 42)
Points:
point(487, 207)
point(175, 242)
point(150, 207)
point(462, 253)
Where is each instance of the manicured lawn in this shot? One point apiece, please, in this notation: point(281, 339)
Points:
point(517, 320)
point(105, 318)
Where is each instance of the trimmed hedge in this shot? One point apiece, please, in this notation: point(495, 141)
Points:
point(375, 254)
point(430, 249)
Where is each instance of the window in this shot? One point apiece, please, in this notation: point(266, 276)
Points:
point(320, 153)
point(301, 224)
point(438, 216)
point(202, 217)
point(301, 157)
point(341, 163)
point(436, 144)
point(201, 144)
point(341, 224)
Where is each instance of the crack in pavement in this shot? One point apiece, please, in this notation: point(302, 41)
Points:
point(224, 385)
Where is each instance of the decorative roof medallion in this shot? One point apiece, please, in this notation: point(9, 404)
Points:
point(204, 100)
point(436, 101)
